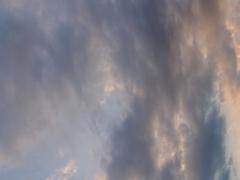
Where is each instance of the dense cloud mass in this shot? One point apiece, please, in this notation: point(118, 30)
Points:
point(119, 89)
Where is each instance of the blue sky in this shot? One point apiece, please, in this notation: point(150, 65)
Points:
point(119, 89)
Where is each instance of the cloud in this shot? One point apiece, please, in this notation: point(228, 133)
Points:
point(172, 66)
point(66, 173)
point(152, 86)
point(57, 83)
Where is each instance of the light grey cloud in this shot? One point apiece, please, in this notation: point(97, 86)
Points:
point(57, 84)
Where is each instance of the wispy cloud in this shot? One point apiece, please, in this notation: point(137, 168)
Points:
point(141, 89)
point(66, 173)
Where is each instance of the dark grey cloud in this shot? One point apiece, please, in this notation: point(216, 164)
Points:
point(157, 71)
point(132, 153)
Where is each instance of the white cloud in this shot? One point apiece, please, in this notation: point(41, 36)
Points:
point(65, 173)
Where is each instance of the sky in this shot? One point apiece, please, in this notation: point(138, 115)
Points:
point(119, 89)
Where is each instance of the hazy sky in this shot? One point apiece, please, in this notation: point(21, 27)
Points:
point(119, 89)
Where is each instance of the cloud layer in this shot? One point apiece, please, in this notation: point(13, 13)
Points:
point(145, 89)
